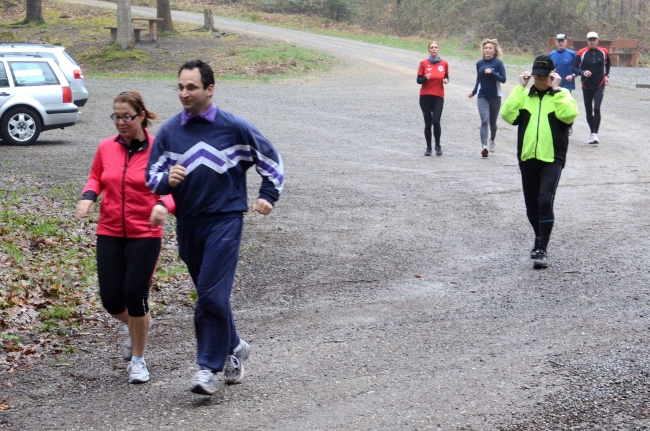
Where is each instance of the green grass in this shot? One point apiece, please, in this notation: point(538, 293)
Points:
point(58, 312)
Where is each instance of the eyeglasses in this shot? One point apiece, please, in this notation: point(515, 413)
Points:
point(125, 118)
point(189, 89)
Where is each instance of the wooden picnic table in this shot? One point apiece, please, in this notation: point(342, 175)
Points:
point(153, 33)
point(136, 34)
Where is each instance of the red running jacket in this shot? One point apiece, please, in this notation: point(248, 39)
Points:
point(127, 202)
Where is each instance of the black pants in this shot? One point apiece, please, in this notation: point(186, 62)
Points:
point(125, 268)
point(593, 99)
point(432, 111)
point(540, 180)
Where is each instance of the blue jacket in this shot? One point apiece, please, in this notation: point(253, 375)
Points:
point(564, 66)
point(488, 86)
point(216, 157)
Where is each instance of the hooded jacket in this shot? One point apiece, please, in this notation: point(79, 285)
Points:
point(543, 118)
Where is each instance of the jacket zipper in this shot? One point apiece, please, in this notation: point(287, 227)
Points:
point(126, 163)
point(539, 115)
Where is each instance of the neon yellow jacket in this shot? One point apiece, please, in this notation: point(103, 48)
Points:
point(544, 119)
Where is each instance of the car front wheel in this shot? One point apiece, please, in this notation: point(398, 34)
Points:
point(20, 126)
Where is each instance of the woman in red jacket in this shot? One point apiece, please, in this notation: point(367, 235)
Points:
point(432, 74)
point(127, 244)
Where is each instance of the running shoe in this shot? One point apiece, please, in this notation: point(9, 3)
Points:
point(541, 261)
point(485, 151)
point(533, 252)
point(233, 372)
point(596, 141)
point(127, 349)
point(438, 150)
point(427, 152)
point(204, 383)
point(493, 146)
point(138, 372)
point(593, 139)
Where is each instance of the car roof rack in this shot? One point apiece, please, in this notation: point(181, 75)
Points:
point(21, 44)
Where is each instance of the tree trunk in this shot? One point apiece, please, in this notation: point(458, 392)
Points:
point(164, 11)
point(34, 12)
point(124, 24)
point(208, 21)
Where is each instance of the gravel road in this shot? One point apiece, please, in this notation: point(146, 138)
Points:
point(387, 290)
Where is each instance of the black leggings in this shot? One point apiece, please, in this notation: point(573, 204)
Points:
point(593, 97)
point(125, 268)
point(540, 180)
point(432, 110)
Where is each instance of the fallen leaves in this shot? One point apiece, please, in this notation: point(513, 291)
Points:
point(48, 276)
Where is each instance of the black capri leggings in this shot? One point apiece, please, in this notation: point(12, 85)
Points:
point(432, 111)
point(125, 268)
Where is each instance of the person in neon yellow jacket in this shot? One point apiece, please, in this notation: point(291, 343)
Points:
point(544, 113)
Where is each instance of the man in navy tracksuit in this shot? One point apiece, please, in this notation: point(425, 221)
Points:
point(200, 157)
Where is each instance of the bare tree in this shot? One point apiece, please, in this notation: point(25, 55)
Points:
point(208, 20)
point(34, 12)
point(164, 11)
point(124, 24)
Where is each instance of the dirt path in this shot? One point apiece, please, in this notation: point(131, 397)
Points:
point(387, 290)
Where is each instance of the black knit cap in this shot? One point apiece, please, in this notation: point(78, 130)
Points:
point(543, 65)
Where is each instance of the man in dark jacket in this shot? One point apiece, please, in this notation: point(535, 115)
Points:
point(544, 115)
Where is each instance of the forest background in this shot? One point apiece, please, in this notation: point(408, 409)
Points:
point(521, 25)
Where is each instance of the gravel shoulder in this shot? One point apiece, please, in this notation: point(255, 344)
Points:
point(387, 290)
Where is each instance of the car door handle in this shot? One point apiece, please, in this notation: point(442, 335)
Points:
point(4, 94)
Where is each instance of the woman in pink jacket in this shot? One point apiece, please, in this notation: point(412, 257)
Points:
point(127, 244)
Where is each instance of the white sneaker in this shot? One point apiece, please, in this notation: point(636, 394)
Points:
point(595, 138)
point(233, 372)
point(493, 146)
point(204, 383)
point(592, 138)
point(138, 372)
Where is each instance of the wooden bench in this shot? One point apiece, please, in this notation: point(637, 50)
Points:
point(622, 52)
point(153, 32)
point(136, 34)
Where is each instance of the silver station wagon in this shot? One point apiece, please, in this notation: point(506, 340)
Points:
point(35, 96)
point(69, 67)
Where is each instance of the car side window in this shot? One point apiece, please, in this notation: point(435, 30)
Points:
point(4, 81)
point(27, 74)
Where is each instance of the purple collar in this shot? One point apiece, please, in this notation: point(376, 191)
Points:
point(208, 115)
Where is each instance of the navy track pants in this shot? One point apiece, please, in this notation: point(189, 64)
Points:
point(210, 251)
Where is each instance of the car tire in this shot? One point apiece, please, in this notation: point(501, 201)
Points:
point(20, 126)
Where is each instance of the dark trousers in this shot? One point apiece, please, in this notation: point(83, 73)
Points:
point(125, 267)
point(210, 251)
point(593, 99)
point(432, 111)
point(540, 180)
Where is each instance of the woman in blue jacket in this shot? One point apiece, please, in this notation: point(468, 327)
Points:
point(490, 74)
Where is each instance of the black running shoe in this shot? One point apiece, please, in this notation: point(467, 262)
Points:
point(438, 150)
point(533, 252)
point(427, 152)
point(541, 261)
